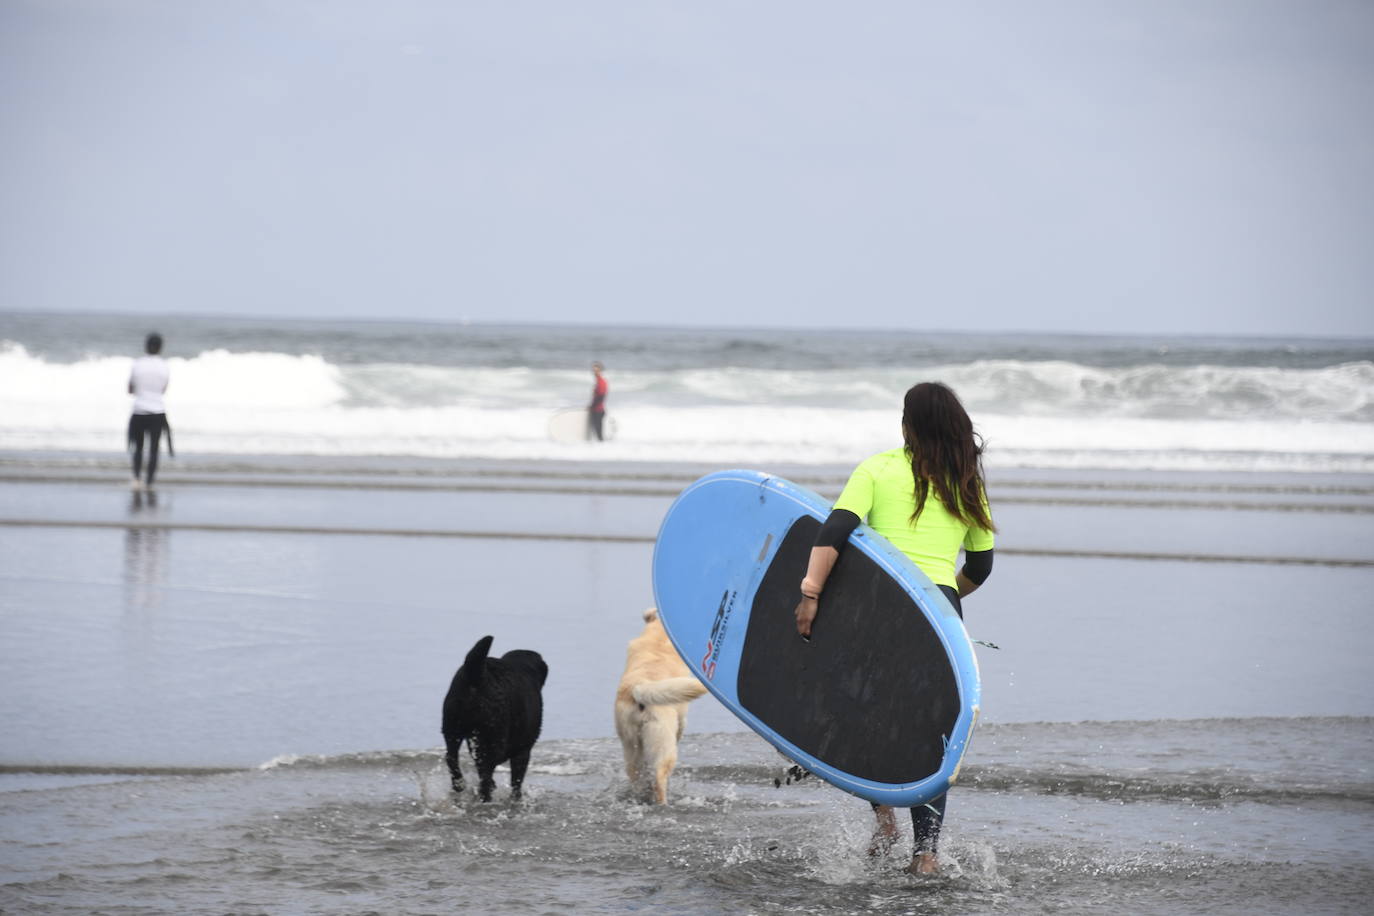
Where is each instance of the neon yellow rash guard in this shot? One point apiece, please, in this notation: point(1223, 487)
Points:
point(881, 492)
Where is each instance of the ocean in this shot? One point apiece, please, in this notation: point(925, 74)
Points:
point(743, 397)
point(222, 696)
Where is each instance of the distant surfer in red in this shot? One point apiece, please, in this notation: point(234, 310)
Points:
point(928, 498)
point(596, 410)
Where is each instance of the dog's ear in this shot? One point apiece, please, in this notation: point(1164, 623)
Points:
point(651, 614)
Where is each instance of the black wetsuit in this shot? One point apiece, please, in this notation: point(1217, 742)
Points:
point(596, 411)
point(150, 426)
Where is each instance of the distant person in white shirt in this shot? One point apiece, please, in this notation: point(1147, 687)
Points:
point(147, 382)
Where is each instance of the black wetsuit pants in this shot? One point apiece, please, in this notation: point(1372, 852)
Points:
point(926, 819)
point(149, 425)
point(595, 420)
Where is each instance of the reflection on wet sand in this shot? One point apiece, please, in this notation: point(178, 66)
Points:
point(145, 555)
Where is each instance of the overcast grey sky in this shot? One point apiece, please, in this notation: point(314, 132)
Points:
point(1172, 167)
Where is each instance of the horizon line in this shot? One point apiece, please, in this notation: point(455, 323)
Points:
point(462, 322)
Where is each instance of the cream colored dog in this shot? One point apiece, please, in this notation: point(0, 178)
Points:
point(651, 706)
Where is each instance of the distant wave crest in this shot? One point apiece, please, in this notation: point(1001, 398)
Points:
point(1044, 413)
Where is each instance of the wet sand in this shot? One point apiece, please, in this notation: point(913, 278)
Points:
point(1162, 726)
point(249, 610)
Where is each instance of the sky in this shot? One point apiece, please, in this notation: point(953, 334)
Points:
point(1162, 166)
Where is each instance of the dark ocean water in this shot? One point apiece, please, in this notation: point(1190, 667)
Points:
point(73, 338)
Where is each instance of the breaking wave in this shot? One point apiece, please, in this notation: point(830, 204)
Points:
point(1033, 413)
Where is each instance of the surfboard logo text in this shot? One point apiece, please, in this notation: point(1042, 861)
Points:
point(717, 637)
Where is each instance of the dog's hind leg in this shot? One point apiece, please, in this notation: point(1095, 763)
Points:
point(660, 741)
point(633, 757)
point(662, 771)
point(518, 764)
point(486, 783)
point(451, 758)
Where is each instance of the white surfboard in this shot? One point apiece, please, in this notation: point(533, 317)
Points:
point(571, 426)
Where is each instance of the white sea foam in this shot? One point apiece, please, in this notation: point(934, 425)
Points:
point(1049, 414)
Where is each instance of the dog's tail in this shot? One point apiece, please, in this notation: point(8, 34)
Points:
point(475, 665)
point(670, 690)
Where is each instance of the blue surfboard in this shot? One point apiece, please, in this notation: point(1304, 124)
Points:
point(880, 702)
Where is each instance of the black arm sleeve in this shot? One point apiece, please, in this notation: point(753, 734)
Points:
point(839, 525)
point(977, 566)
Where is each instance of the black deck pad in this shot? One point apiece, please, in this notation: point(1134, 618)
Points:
point(873, 693)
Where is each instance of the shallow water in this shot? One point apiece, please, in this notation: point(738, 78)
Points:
point(1151, 817)
point(1161, 735)
point(142, 634)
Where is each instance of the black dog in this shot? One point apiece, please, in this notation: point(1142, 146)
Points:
point(495, 706)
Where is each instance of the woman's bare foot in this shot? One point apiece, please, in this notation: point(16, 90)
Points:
point(882, 843)
point(885, 834)
point(923, 863)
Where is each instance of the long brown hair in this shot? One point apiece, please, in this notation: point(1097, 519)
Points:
point(945, 452)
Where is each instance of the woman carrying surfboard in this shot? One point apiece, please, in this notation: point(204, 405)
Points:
point(596, 410)
point(928, 498)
